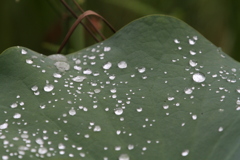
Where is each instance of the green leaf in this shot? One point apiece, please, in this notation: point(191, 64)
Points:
point(157, 89)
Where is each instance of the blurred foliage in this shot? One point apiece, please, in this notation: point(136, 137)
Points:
point(42, 24)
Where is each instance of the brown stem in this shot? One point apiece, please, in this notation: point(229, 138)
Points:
point(75, 15)
point(79, 19)
point(80, 8)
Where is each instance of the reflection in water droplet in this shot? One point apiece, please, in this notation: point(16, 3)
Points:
point(122, 64)
point(123, 157)
point(78, 78)
point(108, 65)
point(118, 111)
point(48, 88)
point(185, 152)
point(198, 77)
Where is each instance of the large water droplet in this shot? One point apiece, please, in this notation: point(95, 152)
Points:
point(124, 157)
point(118, 111)
point(191, 42)
point(122, 64)
point(57, 75)
point(14, 105)
point(87, 71)
point(108, 65)
point(176, 41)
point(78, 78)
point(165, 106)
point(29, 61)
point(48, 88)
point(72, 112)
point(198, 77)
point(194, 117)
point(185, 152)
point(42, 150)
point(192, 52)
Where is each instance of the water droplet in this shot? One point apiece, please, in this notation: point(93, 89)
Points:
point(220, 129)
point(4, 126)
point(122, 65)
point(58, 57)
point(48, 88)
point(97, 129)
point(193, 63)
point(61, 146)
point(29, 61)
point(139, 109)
point(39, 141)
point(176, 41)
point(78, 78)
point(170, 98)
point(42, 150)
point(24, 51)
point(5, 157)
point(72, 112)
point(194, 117)
point(141, 70)
point(17, 116)
point(130, 146)
point(14, 105)
point(113, 90)
point(192, 52)
point(78, 68)
point(57, 75)
point(185, 152)
point(106, 49)
point(62, 66)
point(118, 111)
point(198, 77)
point(188, 90)
point(87, 71)
point(34, 88)
point(124, 157)
point(165, 106)
point(108, 65)
point(191, 42)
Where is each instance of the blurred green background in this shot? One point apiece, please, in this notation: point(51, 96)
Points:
point(42, 24)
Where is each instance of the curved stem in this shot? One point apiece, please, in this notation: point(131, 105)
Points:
point(79, 19)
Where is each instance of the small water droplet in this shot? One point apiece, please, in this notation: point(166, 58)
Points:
point(17, 116)
point(57, 75)
point(176, 41)
point(72, 112)
point(198, 77)
point(107, 49)
point(14, 105)
point(122, 65)
point(4, 126)
point(191, 42)
point(34, 88)
point(130, 146)
point(24, 51)
point(62, 66)
point(193, 63)
point(87, 71)
point(165, 106)
point(29, 61)
point(78, 78)
point(220, 129)
point(192, 52)
point(139, 109)
point(42, 150)
point(188, 90)
point(118, 111)
point(185, 152)
point(108, 65)
point(97, 129)
point(124, 157)
point(48, 88)
point(194, 117)
point(78, 68)
point(61, 146)
point(141, 70)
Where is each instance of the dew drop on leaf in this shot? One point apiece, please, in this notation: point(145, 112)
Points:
point(29, 61)
point(58, 57)
point(191, 42)
point(97, 129)
point(61, 146)
point(72, 112)
point(139, 109)
point(78, 78)
point(122, 65)
point(17, 116)
point(188, 90)
point(24, 51)
point(141, 70)
point(192, 52)
point(185, 152)
point(42, 150)
point(220, 129)
point(194, 117)
point(57, 75)
point(34, 88)
point(108, 65)
point(193, 63)
point(14, 105)
point(124, 157)
point(198, 77)
point(118, 111)
point(4, 126)
point(87, 71)
point(48, 87)
point(62, 66)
